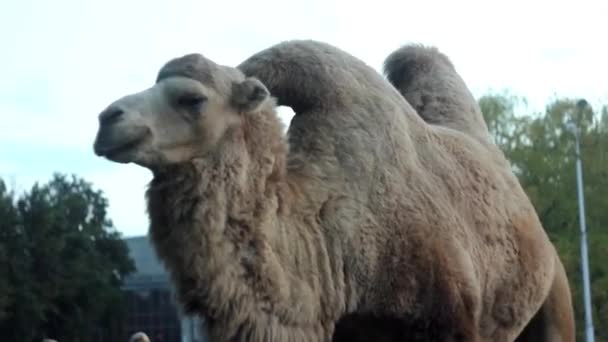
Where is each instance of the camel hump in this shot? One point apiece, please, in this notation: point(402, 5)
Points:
point(429, 82)
point(308, 75)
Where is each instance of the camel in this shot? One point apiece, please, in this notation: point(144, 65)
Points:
point(365, 220)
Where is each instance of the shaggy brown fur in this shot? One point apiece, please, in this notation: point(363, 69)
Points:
point(429, 82)
point(371, 218)
point(428, 79)
point(555, 319)
point(324, 86)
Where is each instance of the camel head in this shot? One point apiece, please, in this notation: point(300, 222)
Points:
point(183, 116)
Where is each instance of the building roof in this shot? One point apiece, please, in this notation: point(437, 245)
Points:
point(150, 273)
point(144, 256)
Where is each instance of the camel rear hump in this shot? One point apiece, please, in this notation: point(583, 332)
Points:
point(428, 80)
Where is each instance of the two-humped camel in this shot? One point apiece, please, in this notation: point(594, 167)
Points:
point(367, 221)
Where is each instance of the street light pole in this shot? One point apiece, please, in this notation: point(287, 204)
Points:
point(589, 331)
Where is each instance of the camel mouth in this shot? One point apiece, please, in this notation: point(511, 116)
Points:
point(118, 150)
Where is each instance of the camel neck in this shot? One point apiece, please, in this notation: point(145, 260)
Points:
point(218, 225)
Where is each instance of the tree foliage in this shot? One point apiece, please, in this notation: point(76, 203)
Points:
point(542, 152)
point(62, 262)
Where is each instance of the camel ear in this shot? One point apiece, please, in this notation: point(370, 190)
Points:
point(247, 96)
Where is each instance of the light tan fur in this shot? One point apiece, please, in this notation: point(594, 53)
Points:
point(366, 214)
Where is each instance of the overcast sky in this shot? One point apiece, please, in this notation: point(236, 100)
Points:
point(63, 61)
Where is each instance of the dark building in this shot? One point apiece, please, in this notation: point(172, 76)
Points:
point(151, 301)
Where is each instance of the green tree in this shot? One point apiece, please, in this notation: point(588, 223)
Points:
point(8, 241)
point(64, 262)
point(541, 151)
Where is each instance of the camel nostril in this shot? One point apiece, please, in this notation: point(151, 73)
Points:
point(110, 115)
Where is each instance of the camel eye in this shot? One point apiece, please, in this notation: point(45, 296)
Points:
point(191, 101)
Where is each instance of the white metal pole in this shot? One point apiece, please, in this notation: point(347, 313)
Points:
point(589, 331)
